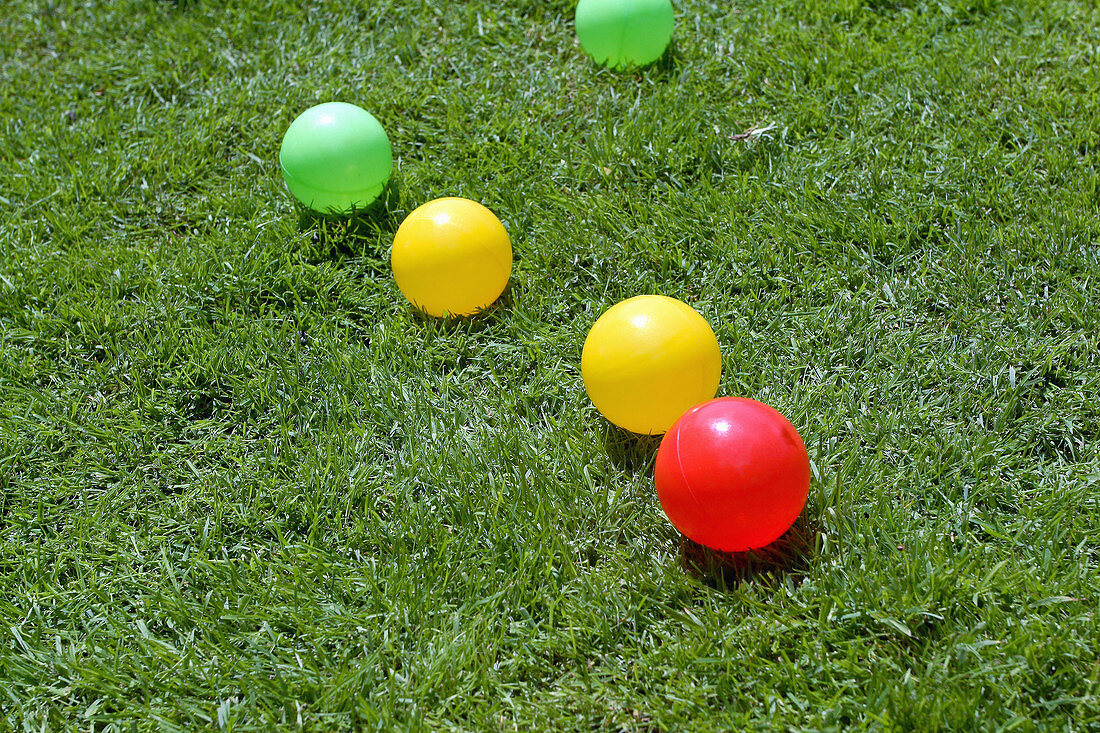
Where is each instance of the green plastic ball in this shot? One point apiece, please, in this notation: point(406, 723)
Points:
point(622, 33)
point(336, 157)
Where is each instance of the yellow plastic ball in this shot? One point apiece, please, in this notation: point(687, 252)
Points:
point(451, 256)
point(647, 360)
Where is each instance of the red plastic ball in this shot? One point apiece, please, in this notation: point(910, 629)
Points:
point(732, 474)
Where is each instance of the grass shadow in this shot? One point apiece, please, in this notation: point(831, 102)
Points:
point(667, 65)
point(365, 231)
point(788, 556)
point(629, 451)
point(484, 320)
point(662, 68)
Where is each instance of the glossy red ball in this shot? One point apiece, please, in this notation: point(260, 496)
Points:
point(732, 474)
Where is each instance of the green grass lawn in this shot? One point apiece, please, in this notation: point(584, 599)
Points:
point(244, 485)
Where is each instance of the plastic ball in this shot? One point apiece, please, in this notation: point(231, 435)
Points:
point(622, 33)
point(451, 256)
point(647, 360)
point(336, 157)
point(732, 474)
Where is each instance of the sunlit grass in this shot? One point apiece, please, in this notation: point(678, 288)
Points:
point(243, 485)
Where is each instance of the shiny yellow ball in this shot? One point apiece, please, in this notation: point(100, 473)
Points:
point(647, 360)
point(451, 256)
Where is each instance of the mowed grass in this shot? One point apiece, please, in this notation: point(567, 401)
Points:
point(243, 485)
